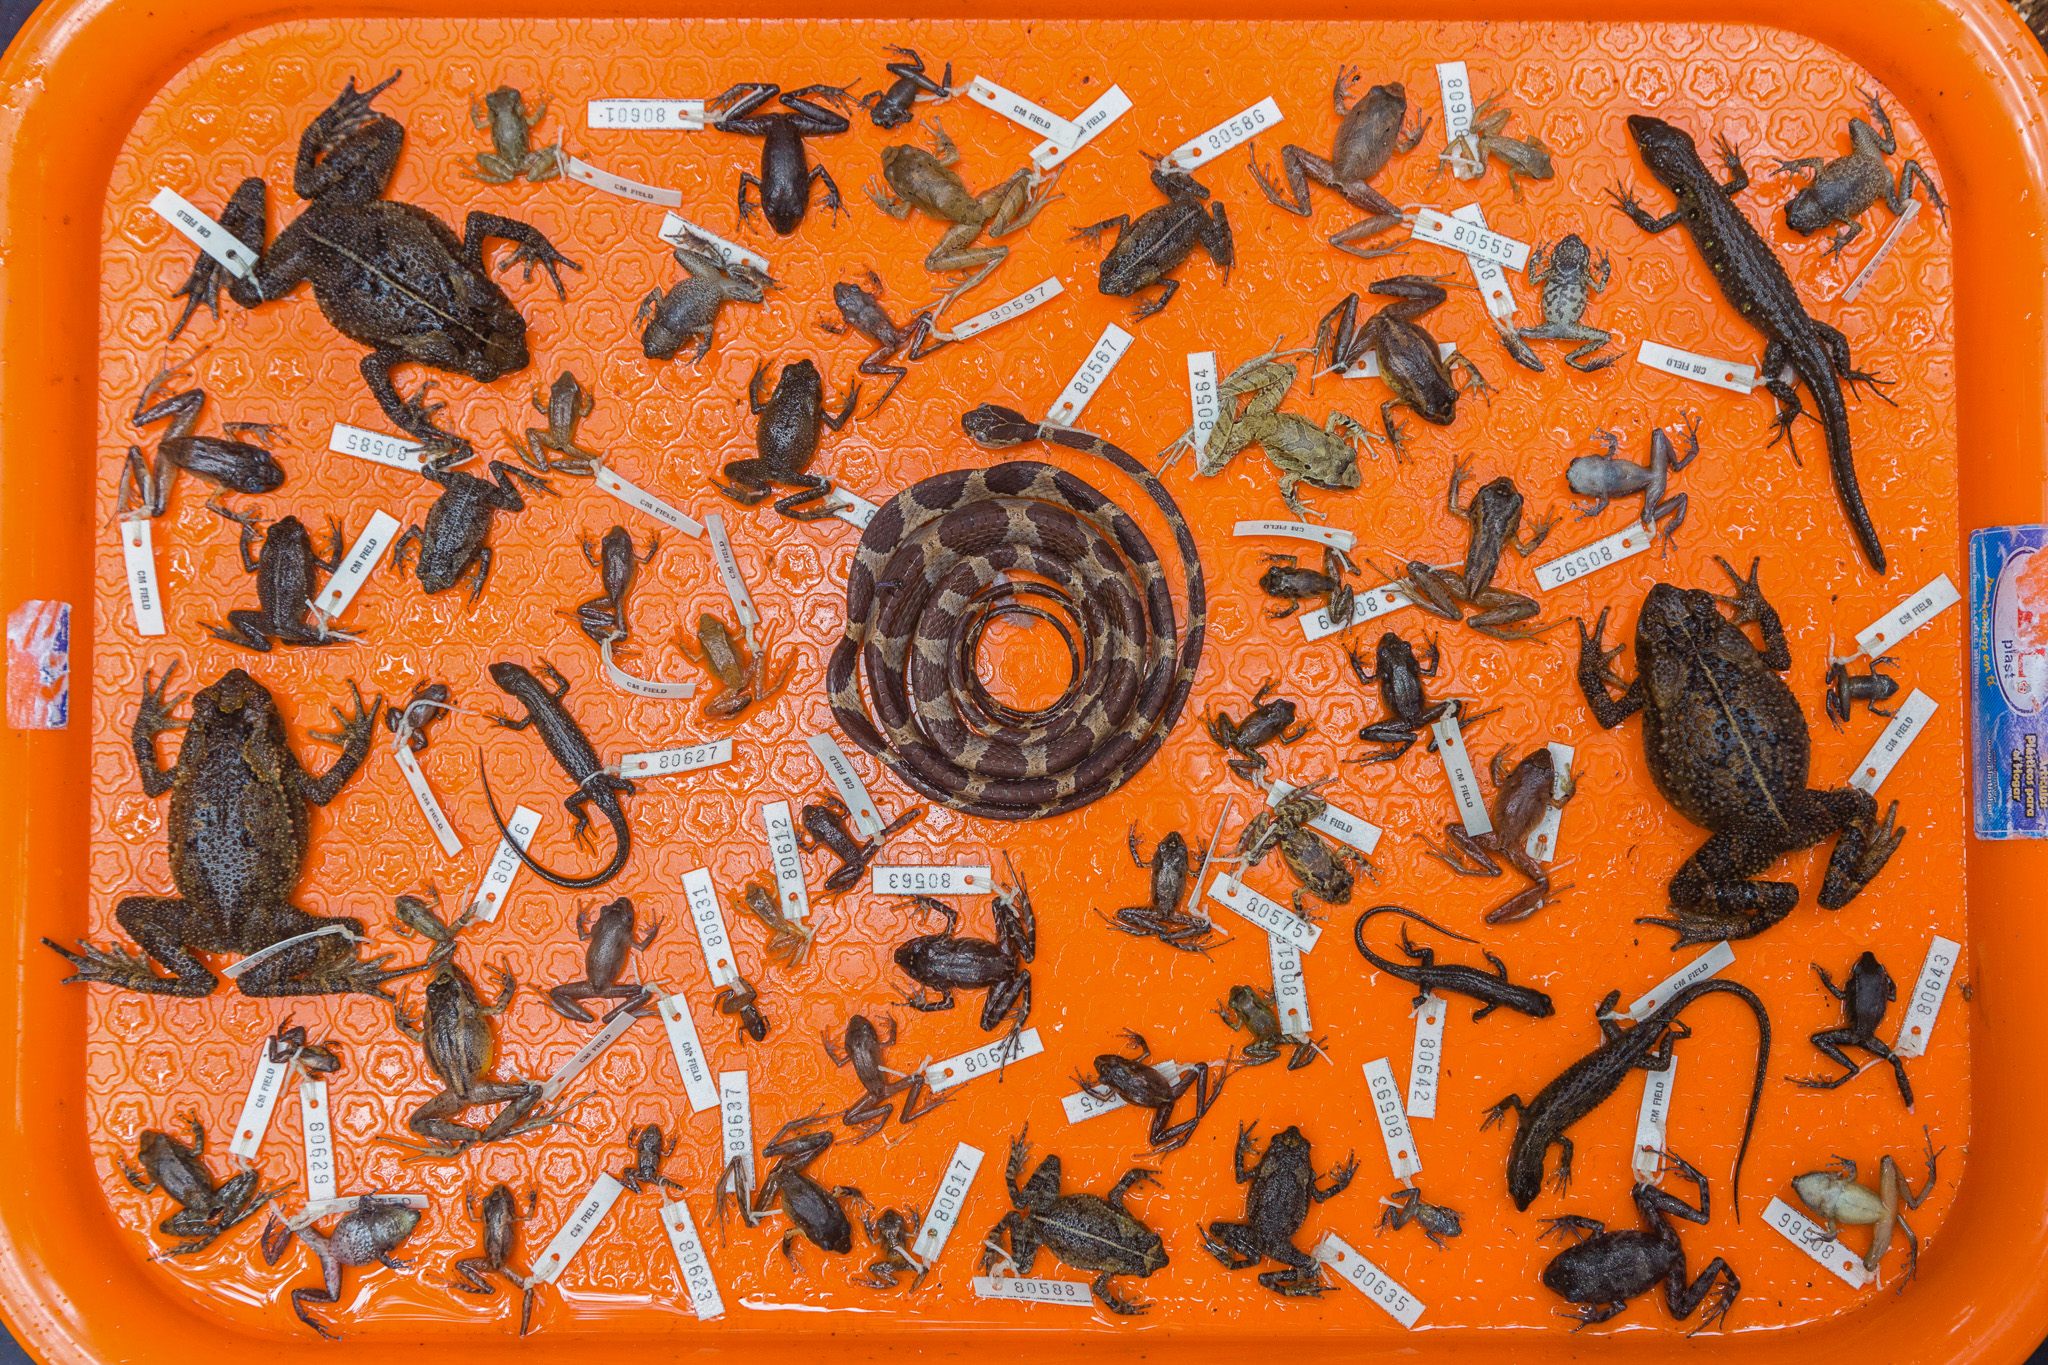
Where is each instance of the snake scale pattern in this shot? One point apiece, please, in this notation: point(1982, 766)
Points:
point(936, 564)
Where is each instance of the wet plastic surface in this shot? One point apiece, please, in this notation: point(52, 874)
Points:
point(237, 110)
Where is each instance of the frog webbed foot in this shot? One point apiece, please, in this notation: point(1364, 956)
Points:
point(1866, 845)
point(110, 966)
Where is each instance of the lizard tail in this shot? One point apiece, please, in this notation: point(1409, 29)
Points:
point(1818, 370)
point(621, 840)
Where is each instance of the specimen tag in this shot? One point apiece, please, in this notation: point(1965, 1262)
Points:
point(1044, 291)
point(1203, 400)
point(577, 169)
point(635, 496)
point(640, 687)
point(437, 819)
point(1704, 369)
point(852, 508)
point(138, 558)
point(1450, 746)
point(1487, 274)
point(1712, 962)
point(1402, 1157)
point(1369, 605)
point(1081, 1105)
point(583, 1056)
point(729, 573)
point(1907, 617)
point(1928, 992)
point(676, 115)
point(496, 887)
point(1426, 1065)
point(1802, 1232)
point(677, 230)
point(1454, 84)
point(1906, 725)
point(1462, 234)
point(583, 1220)
point(736, 1123)
point(902, 880)
point(710, 922)
point(1368, 1279)
point(355, 567)
point(264, 954)
point(1368, 365)
point(1270, 915)
point(1112, 105)
point(1017, 109)
point(839, 770)
point(1290, 986)
point(377, 447)
point(785, 857)
point(1109, 349)
point(946, 1203)
point(667, 762)
point(689, 1051)
point(1653, 1117)
point(1331, 536)
point(1233, 131)
point(209, 236)
point(318, 1128)
point(1884, 249)
point(1630, 541)
point(1029, 1289)
point(264, 1088)
point(984, 1059)
point(1542, 844)
point(683, 1239)
point(316, 1209)
point(1342, 825)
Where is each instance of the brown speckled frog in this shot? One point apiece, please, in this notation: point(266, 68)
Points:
point(1728, 745)
point(205, 1210)
point(512, 153)
point(238, 836)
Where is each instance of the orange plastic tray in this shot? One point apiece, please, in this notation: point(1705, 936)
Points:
point(106, 100)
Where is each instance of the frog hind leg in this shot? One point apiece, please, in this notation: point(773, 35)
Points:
point(1234, 1244)
point(249, 629)
point(161, 925)
point(244, 218)
point(1866, 844)
point(1302, 1276)
point(1714, 894)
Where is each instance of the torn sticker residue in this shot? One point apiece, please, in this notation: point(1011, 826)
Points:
point(39, 666)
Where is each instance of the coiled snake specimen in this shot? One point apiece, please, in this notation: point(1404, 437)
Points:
point(936, 564)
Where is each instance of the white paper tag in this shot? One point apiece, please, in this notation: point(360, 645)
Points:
point(1542, 842)
point(1454, 85)
point(1368, 605)
point(1368, 1279)
point(688, 1245)
point(317, 1209)
point(1331, 536)
point(982, 1060)
point(668, 762)
point(676, 230)
point(1461, 234)
point(1703, 369)
point(906, 880)
point(1450, 747)
point(1232, 132)
point(853, 509)
point(710, 922)
point(496, 887)
point(1030, 1289)
point(1368, 365)
point(947, 1201)
point(1290, 987)
point(1017, 109)
point(437, 819)
point(1112, 105)
point(1905, 727)
point(736, 1123)
point(138, 559)
point(1402, 1157)
point(206, 234)
point(264, 1088)
point(1341, 825)
point(1907, 617)
point(317, 1125)
point(1204, 403)
point(689, 1053)
point(582, 1057)
point(1270, 915)
point(729, 574)
point(785, 858)
point(1884, 250)
point(393, 452)
point(840, 772)
point(1045, 290)
point(671, 115)
point(1630, 541)
point(640, 687)
point(1082, 1106)
point(1425, 1065)
point(234, 969)
point(577, 169)
point(584, 1219)
point(1108, 350)
point(1711, 963)
point(355, 567)
point(1653, 1117)
point(1487, 274)
point(1813, 1239)
point(1924, 1006)
point(634, 496)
